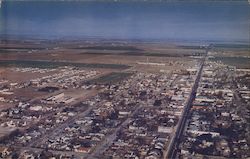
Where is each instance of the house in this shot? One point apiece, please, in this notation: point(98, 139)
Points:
point(4, 151)
point(83, 149)
point(164, 129)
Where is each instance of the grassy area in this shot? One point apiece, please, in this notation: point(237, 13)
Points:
point(239, 62)
point(51, 64)
point(120, 48)
point(18, 49)
point(6, 51)
point(168, 54)
point(191, 47)
point(150, 54)
point(22, 48)
point(232, 46)
point(113, 77)
point(13, 50)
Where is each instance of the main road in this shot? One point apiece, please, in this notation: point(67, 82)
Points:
point(173, 147)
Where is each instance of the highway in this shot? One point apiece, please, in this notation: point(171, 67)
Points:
point(173, 147)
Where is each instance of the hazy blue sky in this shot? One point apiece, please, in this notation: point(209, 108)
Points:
point(129, 20)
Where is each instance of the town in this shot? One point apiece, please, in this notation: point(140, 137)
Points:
point(124, 79)
point(151, 107)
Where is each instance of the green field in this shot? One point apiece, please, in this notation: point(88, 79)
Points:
point(110, 78)
point(239, 62)
point(232, 46)
point(139, 53)
point(51, 64)
point(118, 48)
point(191, 47)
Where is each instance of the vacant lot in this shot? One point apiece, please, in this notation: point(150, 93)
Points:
point(110, 78)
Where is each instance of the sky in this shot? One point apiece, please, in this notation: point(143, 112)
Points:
point(224, 21)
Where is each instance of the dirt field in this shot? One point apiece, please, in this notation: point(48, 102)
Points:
point(118, 53)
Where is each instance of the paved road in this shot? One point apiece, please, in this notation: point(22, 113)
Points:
point(59, 128)
point(173, 147)
point(110, 139)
